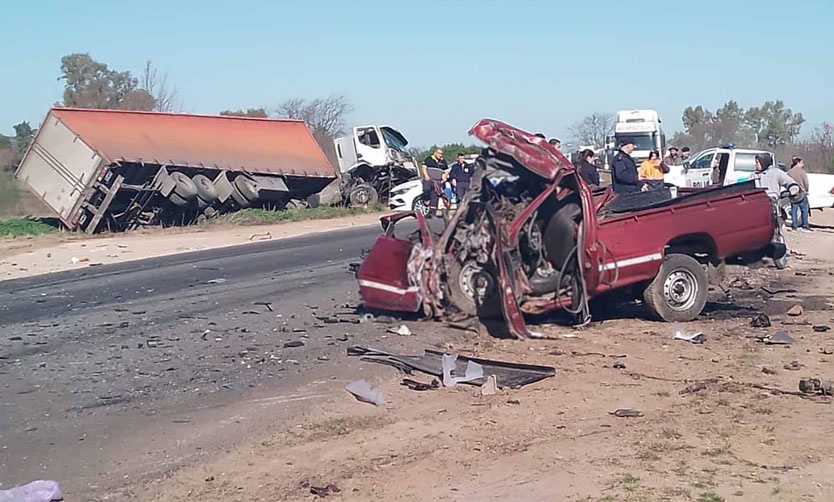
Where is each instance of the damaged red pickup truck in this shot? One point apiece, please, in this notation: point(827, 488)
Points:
point(530, 237)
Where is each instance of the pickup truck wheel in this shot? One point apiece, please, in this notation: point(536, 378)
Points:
point(781, 263)
point(205, 188)
point(679, 291)
point(184, 187)
point(247, 187)
point(363, 195)
point(469, 284)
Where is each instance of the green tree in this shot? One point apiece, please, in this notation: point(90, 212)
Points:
point(251, 112)
point(91, 84)
point(772, 124)
point(23, 135)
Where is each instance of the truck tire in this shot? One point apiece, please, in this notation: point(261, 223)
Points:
point(679, 291)
point(205, 189)
point(184, 187)
point(177, 200)
point(247, 187)
point(363, 195)
point(295, 204)
point(239, 199)
point(463, 283)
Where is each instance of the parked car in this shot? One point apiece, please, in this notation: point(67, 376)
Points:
point(532, 238)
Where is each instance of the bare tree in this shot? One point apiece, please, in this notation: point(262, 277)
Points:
point(156, 84)
point(822, 140)
point(593, 129)
point(323, 116)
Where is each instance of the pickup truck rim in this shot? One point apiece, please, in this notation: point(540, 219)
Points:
point(680, 290)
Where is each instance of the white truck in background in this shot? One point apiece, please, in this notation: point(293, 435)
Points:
point(643, 128)
point(372, 160)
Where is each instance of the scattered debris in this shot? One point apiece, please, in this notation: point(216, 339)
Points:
point(619, 365)
point(323, 358)
point(820, 328)
point(779, 338)
point(490, 387)
point(570, 335)
point(509, 375)
point(474, 371)
point(793, 366)
point(696, 338)
point(760, 321)
point(626, 413)
point(36, 491)
point(698, 386)
point(403, 330)
point(827, 351)
point(219, 280)
point(420, 386)
point(293, 344)
point(777, 291)
point(261, 237)
point(514, 402)
point(767, 370)
point(268, 305)
point(740, 283)
point(795, 311)
point(363, 392)
point(816, 386)
point(323, 491)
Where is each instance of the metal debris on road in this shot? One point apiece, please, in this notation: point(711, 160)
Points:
point(821, 328)
point(268, 305)
point(324, 491)
point(420, 386)
point(619, 365)
point(403, 330)
point(760, 321)
point(473, 371)
point(363, 392)
point(696, 338)
point(261, 237)
point(816, 386)
point(219, 280)
point(626, 413)
point(293, 344)
point(779, 338)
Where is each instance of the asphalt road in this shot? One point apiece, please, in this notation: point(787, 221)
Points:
point(113, 374)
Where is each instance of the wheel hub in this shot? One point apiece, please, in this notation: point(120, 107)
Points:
point(680, 290)
point(473, 282)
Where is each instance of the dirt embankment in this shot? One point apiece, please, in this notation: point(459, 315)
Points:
point(24, 257)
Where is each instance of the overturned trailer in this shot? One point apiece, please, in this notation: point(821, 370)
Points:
point(118, 170)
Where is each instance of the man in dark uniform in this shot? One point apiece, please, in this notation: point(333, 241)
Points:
point(623, 169)
point(432, 173)
point(461, 176)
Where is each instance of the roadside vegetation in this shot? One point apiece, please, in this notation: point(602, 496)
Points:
point(23, 227)
point(266, 217)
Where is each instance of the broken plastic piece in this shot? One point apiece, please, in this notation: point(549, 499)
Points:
point(363, 392)
point(403, 330)
point(474, 371)
point(780, 338)
point(36, 491)
point(697, 338)
point(626, 413)
point(490, 387)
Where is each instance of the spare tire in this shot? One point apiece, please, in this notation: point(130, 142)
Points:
point(247, 187)
point(184, 187)
point(205, 188)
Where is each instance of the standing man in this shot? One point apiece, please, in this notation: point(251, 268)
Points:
point(461, 175)
point(800, 208)
point(433, 169)
point(624, 177)
point(685, 153)
point(555, 143)
point(773, 179)
point(588, 170)
point(672, 159)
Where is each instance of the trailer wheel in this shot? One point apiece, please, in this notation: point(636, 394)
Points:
point(184, 187)
point(247, 187)
point(363, 195)
point(205, 188)
point(679, 291)
point(469, 285)
point(295, 204)
point(241, 201)
point(177, 200)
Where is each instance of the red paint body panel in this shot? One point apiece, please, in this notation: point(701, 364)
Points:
point(269, 146)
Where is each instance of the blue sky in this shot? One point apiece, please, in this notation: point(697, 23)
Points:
point(432, 68)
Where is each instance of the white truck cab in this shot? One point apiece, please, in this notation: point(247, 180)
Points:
point(643, 128)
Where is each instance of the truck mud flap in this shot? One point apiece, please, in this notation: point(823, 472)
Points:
point(270, 187)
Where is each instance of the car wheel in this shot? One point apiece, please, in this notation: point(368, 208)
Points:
point(205, 188)
point(679, 291)
point(421, 205)
point(247, 187)
point(782, 262)
point(184, 187)
point(473, 290)
point(363, 195)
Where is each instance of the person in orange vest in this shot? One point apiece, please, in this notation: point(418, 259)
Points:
point(651, 172)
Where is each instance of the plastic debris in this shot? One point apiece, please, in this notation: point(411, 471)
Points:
point(36, 491)
point(219, 280)
point(403, 330)
point(362, 391)
point(473, 371)
point(696, 338)
point(490, 387)
point(780, 338)
point(626, 413)
point(420, 386)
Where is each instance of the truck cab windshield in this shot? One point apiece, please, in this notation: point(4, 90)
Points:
point(643, 142)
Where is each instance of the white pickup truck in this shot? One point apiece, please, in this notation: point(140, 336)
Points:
point(726, 165)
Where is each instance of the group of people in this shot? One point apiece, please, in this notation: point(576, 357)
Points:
point(452, 181)
point(626, 177)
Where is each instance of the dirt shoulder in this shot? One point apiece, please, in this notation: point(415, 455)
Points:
point(718, 421)
point(25, 257)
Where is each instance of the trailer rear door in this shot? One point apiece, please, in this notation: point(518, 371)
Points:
point(58, 168)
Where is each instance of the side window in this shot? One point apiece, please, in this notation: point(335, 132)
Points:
point(369, 137)
point(745, 162)
point(702, 162)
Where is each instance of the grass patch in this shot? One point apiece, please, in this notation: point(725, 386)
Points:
point(630, 479)
point(710, 497)
point(663, 393)
point(265, 217)
point(16, 201)
point(681, 468)
point(719, 451)
point(22, 227)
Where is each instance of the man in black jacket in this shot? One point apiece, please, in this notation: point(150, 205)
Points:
point(587, 170)
point(623, 169)
point(461, 176)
